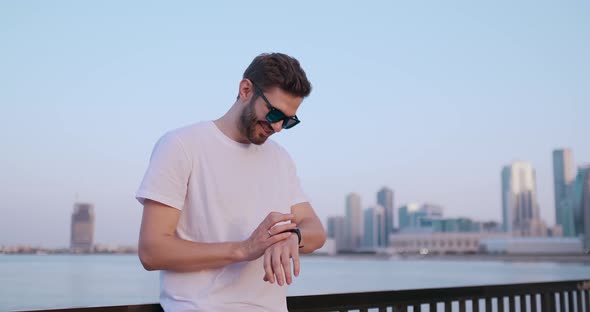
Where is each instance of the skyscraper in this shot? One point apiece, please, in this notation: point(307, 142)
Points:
point(563, 177)
point(337, 232)
point(406, 214)
point(411, 216)
point(354, 221)
point(581, 204)
point(520, 208)
point(82, 228)
point(374, 227)
point(385, 199)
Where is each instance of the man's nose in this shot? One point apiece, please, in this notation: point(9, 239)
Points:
point(277, 126)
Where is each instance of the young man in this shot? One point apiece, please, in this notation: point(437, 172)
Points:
point(224, 214)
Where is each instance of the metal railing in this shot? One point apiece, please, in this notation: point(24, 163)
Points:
point(567, 296)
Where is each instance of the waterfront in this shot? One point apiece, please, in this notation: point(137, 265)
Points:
point(30, 282)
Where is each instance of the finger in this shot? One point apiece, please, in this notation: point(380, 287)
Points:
point(268, 276)
point(277, 238)
point(286, 262)
point(277, 267)
point(296, 262)
point(281, 228)
point(275, 217)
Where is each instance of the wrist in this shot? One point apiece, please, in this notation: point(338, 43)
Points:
point(297, 233)
point(238, 252)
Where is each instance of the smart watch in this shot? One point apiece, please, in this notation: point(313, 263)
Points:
point(298, 232)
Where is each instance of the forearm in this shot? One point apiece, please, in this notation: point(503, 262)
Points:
point(175, 254)
point(313, 235)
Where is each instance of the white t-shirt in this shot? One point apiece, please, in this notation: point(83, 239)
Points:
point(224, 189)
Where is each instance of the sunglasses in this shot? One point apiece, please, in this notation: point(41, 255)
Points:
point(275, 115)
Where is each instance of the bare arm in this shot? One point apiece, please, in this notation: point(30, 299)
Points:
point(161, 249)
point(278, 257)
point(313, 235)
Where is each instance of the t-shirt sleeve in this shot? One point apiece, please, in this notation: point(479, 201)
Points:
point(296, 190)
point(167, 175)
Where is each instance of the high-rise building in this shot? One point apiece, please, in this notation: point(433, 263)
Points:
point(337, 232)
point(406, 215)
point(520, 208)
point(385, 199)
point(581, 203)
point(563, 177)
point(374, 227)
point(452, 225)
point(82, 228)
point(412, 216)
point(354, 221)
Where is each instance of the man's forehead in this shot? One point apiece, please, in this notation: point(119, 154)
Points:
point(285, 102)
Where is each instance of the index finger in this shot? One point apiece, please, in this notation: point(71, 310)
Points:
point(276, 217)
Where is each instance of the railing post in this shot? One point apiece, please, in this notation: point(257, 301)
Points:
point(570, 300)
point(475, 304)
point(511, 303)
point(488, 304)
point(501, 304)
point(562, 301)
point(448, 306)
point(400, 308)
point(522, 303)
point(462, 305)
point(534, 303)
point(416, 307)
point(548, 302)
point(578, 300)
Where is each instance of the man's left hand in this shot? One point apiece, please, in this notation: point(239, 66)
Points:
point(277, 261)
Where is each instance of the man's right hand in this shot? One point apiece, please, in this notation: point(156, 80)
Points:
point(266, 234)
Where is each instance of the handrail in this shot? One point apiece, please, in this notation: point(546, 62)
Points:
point(548, 296)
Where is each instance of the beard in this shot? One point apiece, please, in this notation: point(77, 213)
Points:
point(248, 122)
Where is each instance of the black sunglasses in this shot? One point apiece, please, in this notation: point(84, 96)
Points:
point(276, 115)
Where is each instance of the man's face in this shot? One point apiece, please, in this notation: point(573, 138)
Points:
point(254, 125)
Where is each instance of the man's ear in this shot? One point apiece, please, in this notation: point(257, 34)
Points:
point(246, 90)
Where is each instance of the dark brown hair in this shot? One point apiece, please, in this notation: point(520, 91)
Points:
point(270, 70)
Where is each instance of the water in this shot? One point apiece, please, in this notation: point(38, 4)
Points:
point(60, 281)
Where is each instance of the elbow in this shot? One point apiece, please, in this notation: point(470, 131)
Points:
point(322, 239)
point(147, 258)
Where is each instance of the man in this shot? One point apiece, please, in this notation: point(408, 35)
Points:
point(224, 214)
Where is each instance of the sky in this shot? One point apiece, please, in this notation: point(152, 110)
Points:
point(429, 98)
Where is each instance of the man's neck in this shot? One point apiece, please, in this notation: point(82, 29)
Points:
point(228, 124)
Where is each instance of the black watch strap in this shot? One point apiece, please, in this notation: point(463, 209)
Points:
point(298, 232)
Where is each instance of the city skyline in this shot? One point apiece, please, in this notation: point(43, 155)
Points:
point(430, 99)
point(354, 205)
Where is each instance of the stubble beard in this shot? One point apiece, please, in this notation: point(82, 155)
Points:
point(248, 122)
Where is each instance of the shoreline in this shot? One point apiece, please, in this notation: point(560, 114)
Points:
point(562, 258)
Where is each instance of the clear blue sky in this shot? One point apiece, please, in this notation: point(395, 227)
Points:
point(428, 98)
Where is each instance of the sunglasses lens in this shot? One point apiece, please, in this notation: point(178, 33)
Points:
point(290, 123)
point(274, 116)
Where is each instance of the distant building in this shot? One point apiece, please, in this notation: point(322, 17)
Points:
point(491, 226)
point(412, 217)
point(374, 236)
point(520, 208)
point(407, 216)
point(563, 177)
point(337, 232)
point(438, 243)
point(452, 225)
point(354, 221)
point(385, 199)
point(532, 245)
point(82, 228)
point(581, 203)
